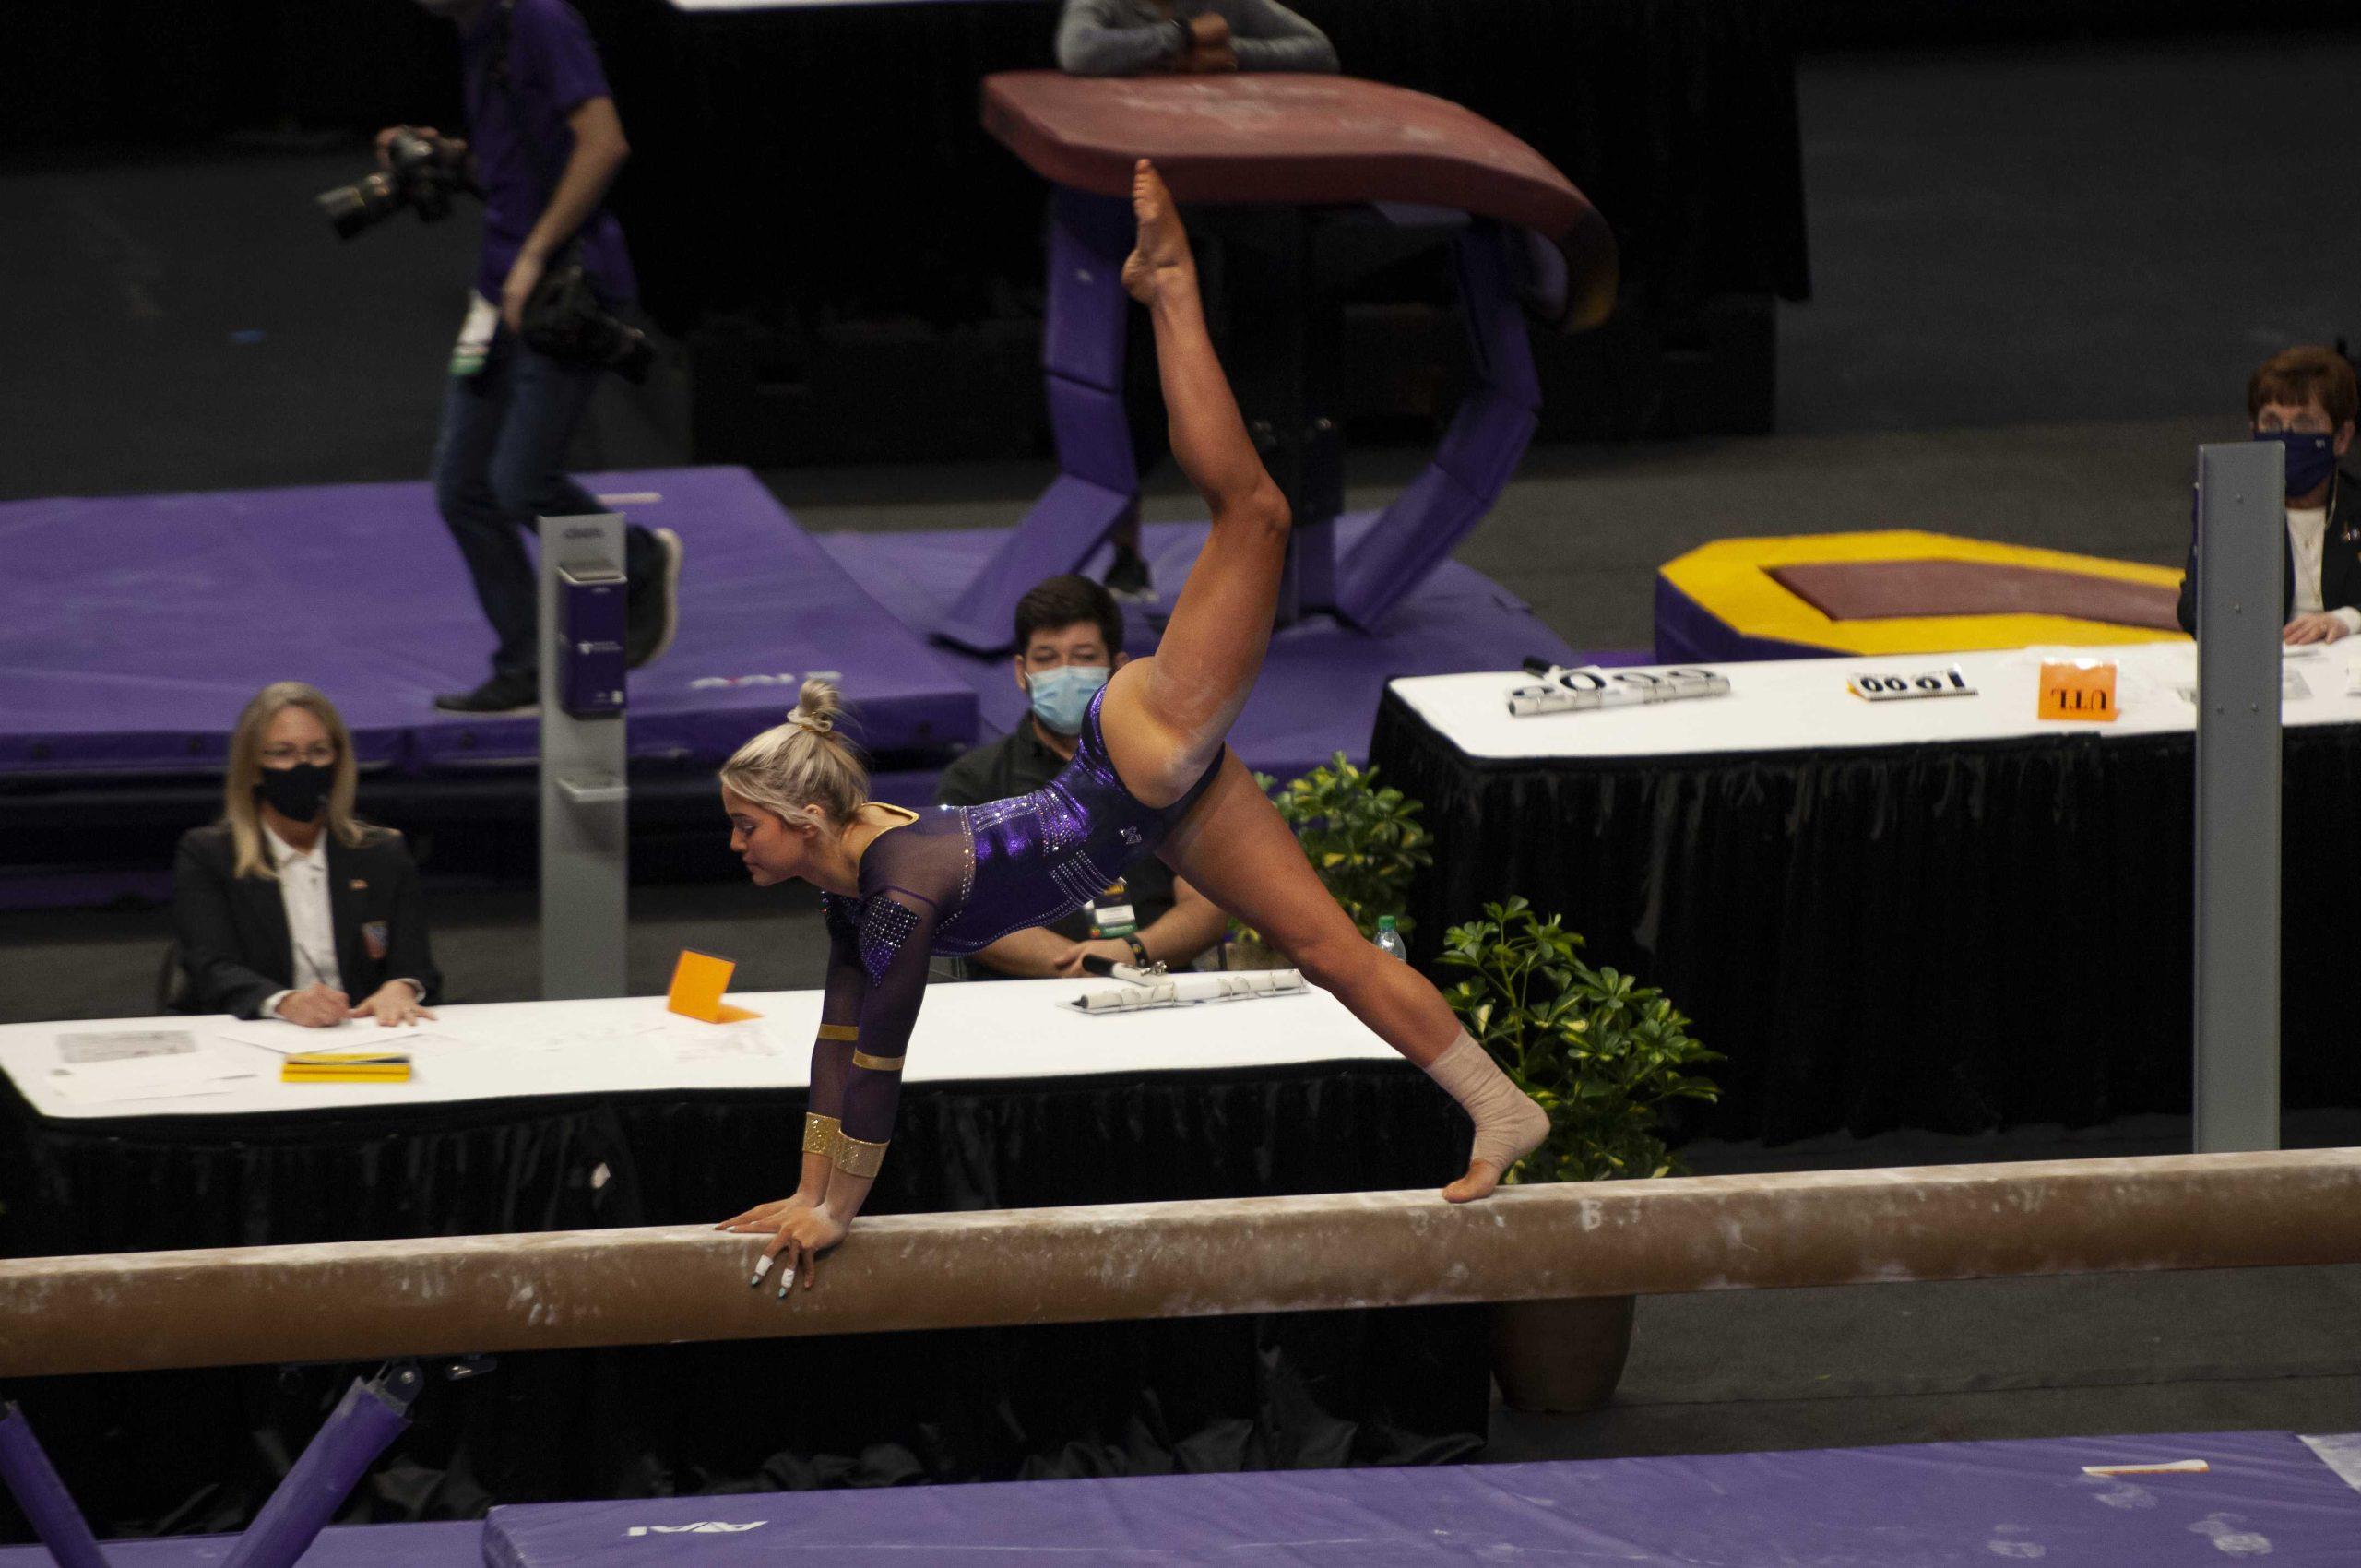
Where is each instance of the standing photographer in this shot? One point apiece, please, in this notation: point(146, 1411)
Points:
point(545, 144)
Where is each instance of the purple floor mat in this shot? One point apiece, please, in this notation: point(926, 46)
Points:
point(455, 1545)
point(1939, 1505)
point(133, 628)
point(1321, 681)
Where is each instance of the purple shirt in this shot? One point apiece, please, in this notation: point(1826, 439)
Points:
point(521, 142)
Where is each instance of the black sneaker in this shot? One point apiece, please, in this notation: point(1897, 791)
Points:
point(508, 691)
point(653, 612)
point(1127, 579)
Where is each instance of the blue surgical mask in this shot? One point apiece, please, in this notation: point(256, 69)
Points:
point(1061, 696)
point(2310, 457)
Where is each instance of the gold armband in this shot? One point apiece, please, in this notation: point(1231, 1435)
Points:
point(820, 1134)
point(855, 1157)
point(840, 1031)
point(878, 1063)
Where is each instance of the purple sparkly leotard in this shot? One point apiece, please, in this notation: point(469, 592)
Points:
point(955, 880)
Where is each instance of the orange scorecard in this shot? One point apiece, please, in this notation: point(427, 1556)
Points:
point(2077, 688)
point(698, 980)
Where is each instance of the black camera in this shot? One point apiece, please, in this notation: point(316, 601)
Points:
point(421, 176)
point(564, 320)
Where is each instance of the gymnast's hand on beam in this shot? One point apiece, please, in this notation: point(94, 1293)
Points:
point(764, 1218)
point(802, 1236)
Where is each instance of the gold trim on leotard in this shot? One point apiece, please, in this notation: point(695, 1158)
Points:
point(855, 1157)
point(820, 1134)
point(847, 1032)
point(878, 1063)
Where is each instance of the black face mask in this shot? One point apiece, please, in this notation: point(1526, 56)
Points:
point(298, 792)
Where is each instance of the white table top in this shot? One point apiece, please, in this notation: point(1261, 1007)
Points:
point(1803, 704)
point(997, 1030)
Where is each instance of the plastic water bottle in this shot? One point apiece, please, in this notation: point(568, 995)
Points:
point(1389, 940)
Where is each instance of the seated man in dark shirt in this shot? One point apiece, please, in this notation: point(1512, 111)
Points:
point(1069, 637)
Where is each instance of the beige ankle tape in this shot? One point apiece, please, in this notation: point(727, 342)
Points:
point(1508, 1124)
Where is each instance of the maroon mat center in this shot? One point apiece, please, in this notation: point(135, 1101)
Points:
point(1875, 591)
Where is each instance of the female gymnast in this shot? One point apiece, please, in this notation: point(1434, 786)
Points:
point(1152, 776)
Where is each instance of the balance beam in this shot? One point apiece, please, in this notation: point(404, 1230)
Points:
point(369, 1300)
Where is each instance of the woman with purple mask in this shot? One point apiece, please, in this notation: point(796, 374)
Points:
point(1150, 776)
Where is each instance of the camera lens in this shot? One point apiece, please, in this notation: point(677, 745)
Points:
point(351, 209)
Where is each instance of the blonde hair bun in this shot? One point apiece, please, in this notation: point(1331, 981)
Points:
point(798, 769)
point(817, 704)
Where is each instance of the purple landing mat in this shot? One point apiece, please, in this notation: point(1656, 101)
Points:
point(459, 1544)
point(1941, 1505)
point(133, 628)
point(1321, 681)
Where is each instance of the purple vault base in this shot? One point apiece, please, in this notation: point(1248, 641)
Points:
point(1940, 1505)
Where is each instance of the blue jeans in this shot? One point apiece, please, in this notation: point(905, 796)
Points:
point(500, 463)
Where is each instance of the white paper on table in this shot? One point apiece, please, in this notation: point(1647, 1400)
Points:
point(691, 1041)
point(283, 1038)
point(145, 1078)
point(83, 1047)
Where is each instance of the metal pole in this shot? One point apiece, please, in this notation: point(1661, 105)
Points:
point(369, 1417)
point(48, 1507)
point(2241, 518)
point(584, 795)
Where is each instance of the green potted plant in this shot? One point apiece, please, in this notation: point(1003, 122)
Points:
point(1602, 1054)
point(1363, 839)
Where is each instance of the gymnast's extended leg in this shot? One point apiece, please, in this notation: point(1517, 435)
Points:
point(1165, 720)
point(1233, 847)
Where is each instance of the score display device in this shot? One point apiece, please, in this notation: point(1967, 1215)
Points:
point(1563, 689)
point(1875, 687)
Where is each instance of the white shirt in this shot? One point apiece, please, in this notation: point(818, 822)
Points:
point(311, 925)
point(2308, 537)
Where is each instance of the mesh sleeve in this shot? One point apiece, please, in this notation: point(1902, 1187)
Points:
point(896, 939)
point(911, 880)
point(848, 987)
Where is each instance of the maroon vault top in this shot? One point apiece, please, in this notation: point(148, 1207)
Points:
point(1301, 140)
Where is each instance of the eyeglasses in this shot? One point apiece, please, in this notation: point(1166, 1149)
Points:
point(322, 754)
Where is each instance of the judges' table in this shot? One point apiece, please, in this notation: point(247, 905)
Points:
point(558, 1115)
point(1942, 913)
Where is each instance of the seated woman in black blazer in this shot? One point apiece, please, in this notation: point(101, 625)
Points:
point(290, 907)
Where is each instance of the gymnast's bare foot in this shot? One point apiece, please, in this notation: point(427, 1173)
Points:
point(1482, 1178)
point(1160, 258)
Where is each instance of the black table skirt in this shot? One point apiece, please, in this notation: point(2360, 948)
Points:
point(1954, 938)
point(189, 1451)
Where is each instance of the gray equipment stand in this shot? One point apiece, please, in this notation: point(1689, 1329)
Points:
point(584, 795)
point(2241, 518)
